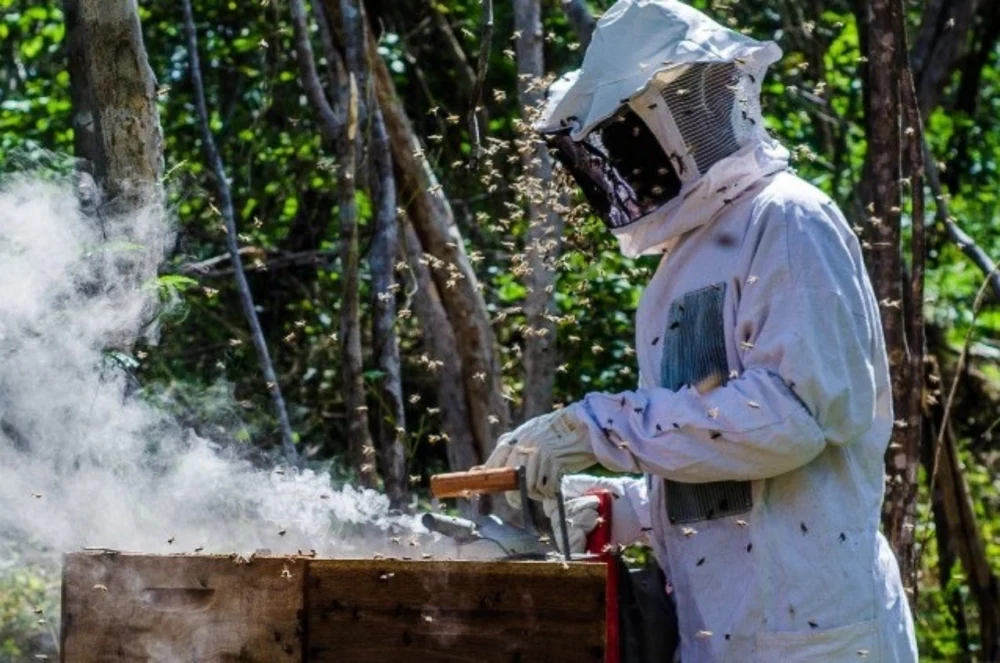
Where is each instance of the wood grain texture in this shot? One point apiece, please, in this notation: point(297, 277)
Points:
point(465, 484)
point(379, 611)
point(126, 608)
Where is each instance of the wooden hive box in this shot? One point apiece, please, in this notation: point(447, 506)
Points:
point(129, 607)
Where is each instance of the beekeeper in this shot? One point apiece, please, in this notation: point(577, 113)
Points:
point(763, 409)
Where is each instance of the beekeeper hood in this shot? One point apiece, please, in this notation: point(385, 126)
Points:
point(661, 126)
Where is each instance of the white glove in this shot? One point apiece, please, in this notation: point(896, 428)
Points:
point(547, 446)
point(629, 510)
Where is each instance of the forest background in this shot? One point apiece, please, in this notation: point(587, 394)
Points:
point(422, 280)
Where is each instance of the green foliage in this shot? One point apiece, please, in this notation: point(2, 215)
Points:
point(34, 104)
point(29, 611)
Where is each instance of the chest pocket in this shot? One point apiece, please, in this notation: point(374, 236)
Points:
point(694, 351)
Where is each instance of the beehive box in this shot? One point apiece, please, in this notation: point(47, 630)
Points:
point(129, 607)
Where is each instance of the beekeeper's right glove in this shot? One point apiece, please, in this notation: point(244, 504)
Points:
point(547, 446)
point(629, 510)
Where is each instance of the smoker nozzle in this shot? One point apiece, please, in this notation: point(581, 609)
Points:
point(459, 529)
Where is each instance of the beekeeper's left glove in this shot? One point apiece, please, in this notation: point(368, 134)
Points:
point(548, 447)
point(629, 514)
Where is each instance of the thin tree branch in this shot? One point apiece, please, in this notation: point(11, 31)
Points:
point(967, 97)
point(229, 218)
point(334, 62)
point(203, 266)
point(466, 78)
point(421, 24)
point(330, 123)
point(959, 370)
point(962, 240)
point(940, 42)
point(486, 41)
point(205, 269)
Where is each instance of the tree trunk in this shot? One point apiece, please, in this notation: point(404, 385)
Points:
point(581, 19)
point(882, 193)
point(442, 349)
point(465, 77)
point(942, 39)
point(968, 96)
point(118, 142)
point(966, 535)
point(345, 19)
point(352, 362)
point(116, 124)
point(942, 538)
point(431, 215)
point(545, 226)
point(349, 15)
point(390, 421)
point(232, 234)
point(913, 163)
point(340, 129)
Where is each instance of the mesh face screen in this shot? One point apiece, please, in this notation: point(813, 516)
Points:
point(621, 168)
point(702, 102)
point(636, 154)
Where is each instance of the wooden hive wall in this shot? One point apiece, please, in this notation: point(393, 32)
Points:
point(130, 608)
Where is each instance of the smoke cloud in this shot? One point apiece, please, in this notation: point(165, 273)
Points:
point(87, 462)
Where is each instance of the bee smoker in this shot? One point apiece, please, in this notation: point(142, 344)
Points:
point(641, 624)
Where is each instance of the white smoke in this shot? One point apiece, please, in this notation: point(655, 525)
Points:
point(84, 460)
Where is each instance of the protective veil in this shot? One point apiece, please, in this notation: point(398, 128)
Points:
point(763, 409)
point(662, 119)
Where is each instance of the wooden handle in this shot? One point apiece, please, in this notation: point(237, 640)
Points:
point(464, 484)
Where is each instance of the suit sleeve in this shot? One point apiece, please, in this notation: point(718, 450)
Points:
point(805, 326)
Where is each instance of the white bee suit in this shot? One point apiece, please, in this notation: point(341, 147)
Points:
point(763, 411)
point(792, 566)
